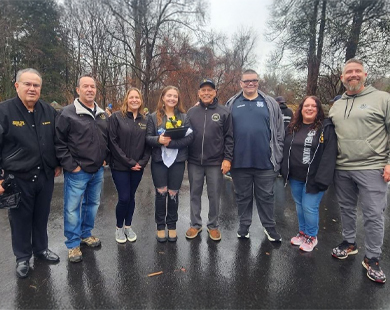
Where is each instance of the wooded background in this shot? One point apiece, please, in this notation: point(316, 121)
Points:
point(153, 43)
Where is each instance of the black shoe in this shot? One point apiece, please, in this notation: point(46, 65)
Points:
point(49, 256)
point(272, 234)
point(22, 269)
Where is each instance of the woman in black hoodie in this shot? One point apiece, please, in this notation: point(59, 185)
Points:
point(129, 156)
point(309, 160)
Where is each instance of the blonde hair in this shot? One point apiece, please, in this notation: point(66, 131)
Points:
point(124, 103)
point(160, 109)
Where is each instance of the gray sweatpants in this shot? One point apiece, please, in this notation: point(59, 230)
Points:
point(214, 179)
point(372, 189)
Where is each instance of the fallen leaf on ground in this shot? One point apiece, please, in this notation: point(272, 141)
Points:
point(155, 274)
point(266, 253)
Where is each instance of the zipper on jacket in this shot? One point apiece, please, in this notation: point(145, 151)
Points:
point(288, 158)
point(314, 155)
point(204, 129)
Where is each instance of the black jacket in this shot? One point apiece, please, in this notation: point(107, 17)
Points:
point(24, 147)
point(82, 139)
point(127, 141)
point(181, 144)
point(213, 134)
point(322, 165)
point(287, 114)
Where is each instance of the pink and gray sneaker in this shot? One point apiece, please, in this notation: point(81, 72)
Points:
point(298, 239)
point(309, 244)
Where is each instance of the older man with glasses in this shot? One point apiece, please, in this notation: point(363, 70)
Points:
point(258, 133)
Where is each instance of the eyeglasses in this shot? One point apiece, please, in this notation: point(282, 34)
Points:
point(247, 82)
point(28, 85)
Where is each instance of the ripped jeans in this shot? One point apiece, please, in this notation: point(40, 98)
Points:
point(167, 182)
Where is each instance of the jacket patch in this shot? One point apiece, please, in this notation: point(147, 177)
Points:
point(215, 117)
point(46, 123)
point(18, 123)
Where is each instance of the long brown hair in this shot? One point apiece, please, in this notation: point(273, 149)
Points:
point(124, 103)
point(160, 109)
point(297, 120)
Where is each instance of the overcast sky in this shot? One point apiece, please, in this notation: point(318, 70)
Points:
point(228, 15)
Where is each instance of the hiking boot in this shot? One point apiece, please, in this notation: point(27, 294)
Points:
point(309, 244)
point(192, 232)
point(214, 234)
point(172, 235)
point(130, 234)
point(272, 234)
point(344, 249)
point(298, 239)
point(120, 235)
point(91, 241)
point(374, 272)
point(75, 255)
point(161, 237)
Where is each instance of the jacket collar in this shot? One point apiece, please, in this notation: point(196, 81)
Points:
point(81, 110)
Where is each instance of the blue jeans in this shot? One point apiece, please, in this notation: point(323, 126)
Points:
point(126, 183)
point(307, 206)
point(81, 202)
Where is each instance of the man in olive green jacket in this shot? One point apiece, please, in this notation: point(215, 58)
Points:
point(362, 123)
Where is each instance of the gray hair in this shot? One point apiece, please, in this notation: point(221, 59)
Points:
point(31, 70)
point(354, 60)
point(85, 75)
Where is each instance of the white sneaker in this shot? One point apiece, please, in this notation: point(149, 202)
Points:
point(120, 235)
point(130, 234)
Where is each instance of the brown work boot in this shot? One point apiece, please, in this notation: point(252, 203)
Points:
point(214, 234)
point(192, 232)
point(75, 255)
point(91, 241)
point(172, 235)
point(161, 237)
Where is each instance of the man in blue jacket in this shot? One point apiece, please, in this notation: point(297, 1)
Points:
point(27, 152)
point(258, 152)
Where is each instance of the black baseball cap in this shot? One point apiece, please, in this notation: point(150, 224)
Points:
point(207, 82)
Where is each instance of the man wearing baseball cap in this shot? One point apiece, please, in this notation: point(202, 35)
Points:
point(209, 155)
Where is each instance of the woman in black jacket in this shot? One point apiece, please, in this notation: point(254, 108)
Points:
point(129, 156)
point(309, 160)
point(168, 160)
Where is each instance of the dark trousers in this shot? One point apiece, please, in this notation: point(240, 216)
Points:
point(166, 213)
point(29, 221)
point(126, 183)
point(249, 183)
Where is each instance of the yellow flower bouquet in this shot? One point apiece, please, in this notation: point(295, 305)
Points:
point(173, 123)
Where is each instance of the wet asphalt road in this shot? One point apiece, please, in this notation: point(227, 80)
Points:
point(197, 274)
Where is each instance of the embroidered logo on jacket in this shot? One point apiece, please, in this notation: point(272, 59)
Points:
point(215, 117)
point(102, 116)
point(142, 126)
point(18, 123)
point(46, 123)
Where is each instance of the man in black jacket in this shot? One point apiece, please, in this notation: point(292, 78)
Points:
point(27, 152)
point(209, 155)
point(82, 147)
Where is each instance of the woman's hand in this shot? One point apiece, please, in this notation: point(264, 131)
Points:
point(164, 140)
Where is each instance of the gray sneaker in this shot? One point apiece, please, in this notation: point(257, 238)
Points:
point(120, 235)
point(131, 236)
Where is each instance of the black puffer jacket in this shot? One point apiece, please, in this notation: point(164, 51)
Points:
point(322, 165)
point(213, 134)
point(181, 144)
point(127, 141)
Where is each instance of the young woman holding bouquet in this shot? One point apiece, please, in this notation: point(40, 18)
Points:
point(129, 156)
point(168, 160)
point(309, 160)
